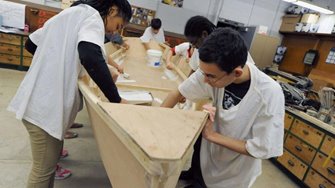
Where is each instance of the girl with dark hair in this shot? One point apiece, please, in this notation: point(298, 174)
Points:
point(48, 99)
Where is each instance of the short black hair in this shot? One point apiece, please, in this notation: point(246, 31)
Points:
point(196, 25)
point(156, 23)
point(226, 48)
point(104, 7)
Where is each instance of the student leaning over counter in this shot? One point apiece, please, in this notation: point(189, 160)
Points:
point(48, 99)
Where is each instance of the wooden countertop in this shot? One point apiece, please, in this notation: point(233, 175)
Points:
point(136, 65)
point(312, 120)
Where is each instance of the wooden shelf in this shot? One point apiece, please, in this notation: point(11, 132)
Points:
point(308, 34)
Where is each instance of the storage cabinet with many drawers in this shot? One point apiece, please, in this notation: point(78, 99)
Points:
point(12, 50)
point(309, 150)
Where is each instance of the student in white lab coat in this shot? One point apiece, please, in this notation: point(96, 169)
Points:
point(154, 32)
point(184, 49)
point(48, 98)
point(247, 119)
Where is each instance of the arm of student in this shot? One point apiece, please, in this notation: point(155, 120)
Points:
point(238, 146)
point(169, 63)
point(146, 45)
point(115, 65)
point(30, 46)
point(92, 59)
point(172, 99)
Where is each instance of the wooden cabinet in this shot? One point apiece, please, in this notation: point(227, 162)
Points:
point(288, 121)
point(328, 145)
point(293, 164)
point(10, 39)
point(12, 50)
point(307, 133)
point(326, 168)
point(315, 180)
point(10, 59)
point(300, 149)
point(308, 146)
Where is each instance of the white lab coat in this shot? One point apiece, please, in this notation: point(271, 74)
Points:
point(149, 35)
point(258, 119)
point(48, 95)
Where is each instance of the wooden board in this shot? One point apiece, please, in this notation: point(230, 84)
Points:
point(140, 146)
point(153, 128)
point(136, 65)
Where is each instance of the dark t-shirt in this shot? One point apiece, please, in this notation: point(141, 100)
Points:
point(234, 93)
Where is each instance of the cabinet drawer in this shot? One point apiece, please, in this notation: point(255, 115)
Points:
point(315, 180)
point(308, 133)
point(26, 61)
point(328, 145)
point(10, 59)
point(293, 164)
point(288, 121)
point(10, 39)
point(328, 171)
point(10, 49)
point(300, 149)
point(26, 53)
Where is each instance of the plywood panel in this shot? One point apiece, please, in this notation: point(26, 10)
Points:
point(296, 49)
point(131, 148)
point(136, 65)
point(153, 128)
point(263, 49)
point(325, 46)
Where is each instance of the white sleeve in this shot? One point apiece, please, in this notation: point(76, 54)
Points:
point(194, 87)
point(161, 37)
point(147, 36)
point(182, 48)
point(36, 36)
point(268, 129)
point(194, 61)
point(92, 30)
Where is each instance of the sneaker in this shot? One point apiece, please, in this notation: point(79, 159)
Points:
point(62, 173)
point(64, 153)
point(76, 125)
point(70, 134)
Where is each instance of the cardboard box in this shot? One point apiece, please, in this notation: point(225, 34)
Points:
point(310, 18)
point(289, 22)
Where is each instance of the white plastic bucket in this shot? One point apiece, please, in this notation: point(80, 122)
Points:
point(154, 57)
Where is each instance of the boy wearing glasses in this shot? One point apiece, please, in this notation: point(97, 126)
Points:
point(247, 117)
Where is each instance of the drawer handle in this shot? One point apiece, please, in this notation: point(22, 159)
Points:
point(10, 50)
point(330, 170)
point(322, 186)
point(10, 59)
point(305, 132)
point(298, 148)
point(34, 11)
point(291, 163)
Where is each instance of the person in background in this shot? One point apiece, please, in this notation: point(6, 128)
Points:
point(48, 98)
point(184, 49)
point(154, 32)
point(117, 39)
point(246, 121)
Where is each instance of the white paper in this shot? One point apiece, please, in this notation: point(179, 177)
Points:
point(13, 14)
point(122, 79)
point(136, 97)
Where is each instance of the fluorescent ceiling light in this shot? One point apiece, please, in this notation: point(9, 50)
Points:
point(310, 6)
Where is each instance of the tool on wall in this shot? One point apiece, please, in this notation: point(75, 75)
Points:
point(280, 53)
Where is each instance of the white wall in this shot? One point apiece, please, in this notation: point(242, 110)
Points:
point(255, 12)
